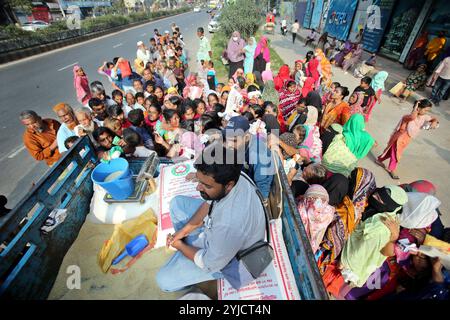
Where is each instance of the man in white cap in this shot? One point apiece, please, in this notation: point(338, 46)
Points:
point(143, 53)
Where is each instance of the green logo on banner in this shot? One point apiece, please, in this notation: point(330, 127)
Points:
point(181, 170)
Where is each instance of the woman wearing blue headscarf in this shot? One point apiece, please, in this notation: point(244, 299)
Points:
point(249, 51)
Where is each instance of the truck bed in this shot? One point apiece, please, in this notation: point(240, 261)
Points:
point(34, 265)
point(138, 282)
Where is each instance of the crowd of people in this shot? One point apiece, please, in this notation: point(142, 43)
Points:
point(313, 127)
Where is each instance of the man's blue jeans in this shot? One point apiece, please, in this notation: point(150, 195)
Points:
point(440, 87)
point(180, 272)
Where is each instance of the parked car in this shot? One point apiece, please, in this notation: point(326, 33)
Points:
point(213, 25)
point(197, 9)
point(34, 25)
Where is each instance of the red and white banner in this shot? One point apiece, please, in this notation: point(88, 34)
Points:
point(172, 183)
point(276, 283)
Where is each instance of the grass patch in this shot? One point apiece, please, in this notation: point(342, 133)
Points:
point(218, 44)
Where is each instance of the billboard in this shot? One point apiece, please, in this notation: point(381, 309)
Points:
point(340, 17)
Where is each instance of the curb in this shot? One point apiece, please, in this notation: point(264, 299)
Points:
point(35, 50)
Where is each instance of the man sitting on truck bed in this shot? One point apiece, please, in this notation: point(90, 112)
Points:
point(210, 232)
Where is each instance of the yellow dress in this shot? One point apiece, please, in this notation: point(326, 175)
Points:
point(434, 47)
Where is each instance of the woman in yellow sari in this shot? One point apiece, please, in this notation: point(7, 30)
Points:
point(435, 46)
point(325, 67)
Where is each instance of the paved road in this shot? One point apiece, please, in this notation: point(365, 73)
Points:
point(40, 82)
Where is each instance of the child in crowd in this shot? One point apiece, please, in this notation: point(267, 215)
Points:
point(135, 143)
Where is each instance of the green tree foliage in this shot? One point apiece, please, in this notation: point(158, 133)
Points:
point(241, 15)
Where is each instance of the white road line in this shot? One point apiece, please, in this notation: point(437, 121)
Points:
point(70, 65)
point(13, 153)
point(118, 45)
point(143, 35)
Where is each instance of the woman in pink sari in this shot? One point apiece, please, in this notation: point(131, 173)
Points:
point(81, 85)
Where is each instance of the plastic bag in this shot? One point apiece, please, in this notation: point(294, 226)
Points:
point(123, 233)
point(397, 88)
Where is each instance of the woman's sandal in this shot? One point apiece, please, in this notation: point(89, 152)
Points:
point(381, 164)
point(393, 175)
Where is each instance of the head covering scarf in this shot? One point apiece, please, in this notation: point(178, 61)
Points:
point(267, 76)
point(393, 198)
point(316, 214)
point(282, 77)
point(81, 85)
point(361, 186)
point(308, 86)
point(312, 69)
point(270, 94)
point(288, 101)
point(263, 48)
point(423, 186)
point(361, 255)
point(250, 77)
point(325, 66)
point(235, 75)
point(357, 139)
point(313, 99)
point(312, 116)
point(420, 211)
point(356, 108)
point(378, 80)
point(234, 48)
point(337, 188)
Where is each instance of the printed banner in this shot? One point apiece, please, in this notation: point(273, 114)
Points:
point(316, 15)
point(276, 283)
point(340, 16)
point(308, 14)
point(377, 19)
point(173, 183)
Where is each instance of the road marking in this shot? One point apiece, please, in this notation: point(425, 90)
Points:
point(143, 35)
point(70, 65)
point(13, 153)
point(118, 45)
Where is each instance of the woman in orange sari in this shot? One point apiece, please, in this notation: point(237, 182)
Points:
point(325, 67)
point(337, 111)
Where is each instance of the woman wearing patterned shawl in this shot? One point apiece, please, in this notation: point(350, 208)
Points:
point(348, 214)
point(289, 97)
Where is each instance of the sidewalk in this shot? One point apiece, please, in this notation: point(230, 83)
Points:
point(426, 158)
point(395, 69)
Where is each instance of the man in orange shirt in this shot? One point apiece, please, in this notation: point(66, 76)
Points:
point(40, 137)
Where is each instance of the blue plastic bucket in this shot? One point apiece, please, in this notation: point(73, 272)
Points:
point(121, 186)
